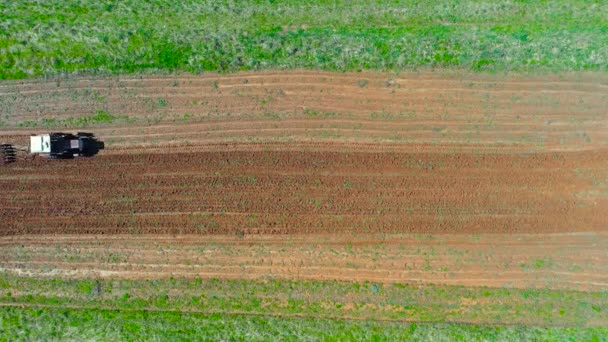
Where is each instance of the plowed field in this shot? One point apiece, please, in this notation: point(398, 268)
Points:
point(300, 154)
point(532, 112)
point(297, 192)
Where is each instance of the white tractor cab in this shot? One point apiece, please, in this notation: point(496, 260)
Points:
point(65, 145)
point(40, 143)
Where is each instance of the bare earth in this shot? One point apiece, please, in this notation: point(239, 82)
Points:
point(431, 178)
point(555, 261)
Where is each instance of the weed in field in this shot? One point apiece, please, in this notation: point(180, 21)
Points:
point(346, 184)
point(27, 123)
point(362, 83)
point(101, 117)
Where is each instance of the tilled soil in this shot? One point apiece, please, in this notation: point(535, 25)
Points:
point(297, 154)
point(296, 192)
point(538, 112)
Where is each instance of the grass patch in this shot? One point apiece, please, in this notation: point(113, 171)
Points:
point(103, 36)
point(324, 300)
point(67, 324)
point(101, 117)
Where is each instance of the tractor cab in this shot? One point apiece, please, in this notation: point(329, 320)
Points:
point(65, 145)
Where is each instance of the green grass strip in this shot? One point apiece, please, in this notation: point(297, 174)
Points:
point(52, 37)
point(19, 324)
point(327, 299)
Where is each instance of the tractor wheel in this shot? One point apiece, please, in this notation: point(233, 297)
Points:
point(8, 154)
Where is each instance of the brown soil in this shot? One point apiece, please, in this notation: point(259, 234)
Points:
point(298, 154)
point(542, 113)
point(295, 192)
point(556, 261)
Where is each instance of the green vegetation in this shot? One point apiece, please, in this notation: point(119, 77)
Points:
point(101, 117)
point(327, 300)
point(261, 310)
point(18, 323)
point(58, 36)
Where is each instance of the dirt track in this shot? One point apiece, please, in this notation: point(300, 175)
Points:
point(306, 153)
point(556, 261)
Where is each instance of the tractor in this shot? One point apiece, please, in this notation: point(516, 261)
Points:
point(55, 146)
